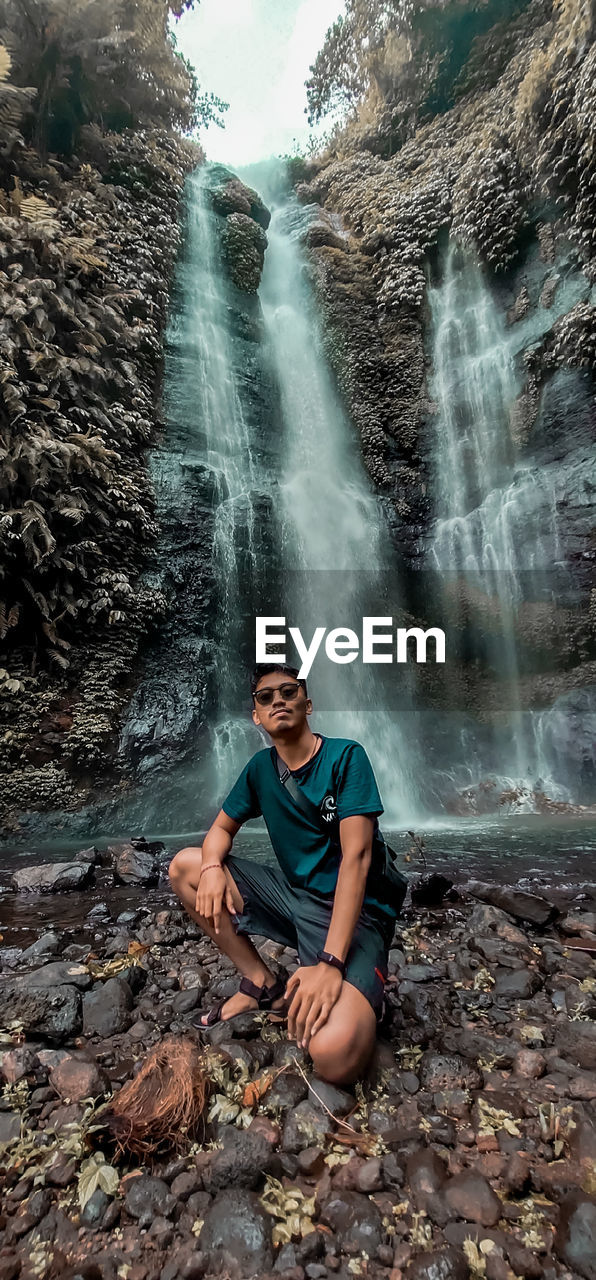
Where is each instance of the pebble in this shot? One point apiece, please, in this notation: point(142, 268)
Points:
point(237, 1231)
point(472, 1198)
point(146, 1197)
point(575, 1241)
point(106, 1009)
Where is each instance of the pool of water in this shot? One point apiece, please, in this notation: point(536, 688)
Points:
point(534, 850)
point(505, 849)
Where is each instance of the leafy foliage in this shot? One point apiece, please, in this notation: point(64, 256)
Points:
point(96, 1174)
point(87, 246)
point(389, 63)
point(109, 62)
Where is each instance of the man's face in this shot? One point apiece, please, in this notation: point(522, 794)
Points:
point(282, 711)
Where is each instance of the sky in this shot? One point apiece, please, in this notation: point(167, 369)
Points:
point(255, 54)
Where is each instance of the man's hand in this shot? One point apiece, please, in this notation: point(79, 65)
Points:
point(212, 892)
point(313, 991)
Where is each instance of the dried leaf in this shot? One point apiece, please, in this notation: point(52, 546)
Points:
point(256, 1089)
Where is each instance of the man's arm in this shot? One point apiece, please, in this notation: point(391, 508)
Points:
point(356, 837)
point(212, 889)
point(316, 988)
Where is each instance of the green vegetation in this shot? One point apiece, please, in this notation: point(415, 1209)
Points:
point(112, 63)
point(395, 63)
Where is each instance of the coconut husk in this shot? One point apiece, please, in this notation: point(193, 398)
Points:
point(162, 1107)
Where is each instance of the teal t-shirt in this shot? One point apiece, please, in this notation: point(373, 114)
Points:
point(340, 782)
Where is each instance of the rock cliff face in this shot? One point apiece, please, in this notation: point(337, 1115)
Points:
point(507, 173)
point(85, 285)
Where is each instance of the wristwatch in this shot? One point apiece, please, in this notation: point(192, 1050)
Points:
point(327, 958)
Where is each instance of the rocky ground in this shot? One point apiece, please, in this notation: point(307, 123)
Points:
point(469, 1151)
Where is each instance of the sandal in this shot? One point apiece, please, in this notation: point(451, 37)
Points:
point(264, 997)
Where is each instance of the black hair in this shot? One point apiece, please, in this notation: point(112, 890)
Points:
point(265, 669)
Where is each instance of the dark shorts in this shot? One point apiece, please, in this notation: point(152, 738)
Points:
point(275, 909)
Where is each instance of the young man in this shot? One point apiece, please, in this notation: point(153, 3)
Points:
point(323, 898)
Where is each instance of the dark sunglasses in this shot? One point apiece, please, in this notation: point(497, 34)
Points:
point(265, 696)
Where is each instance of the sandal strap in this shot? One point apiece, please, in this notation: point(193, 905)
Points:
point(211, 1015)
point(249, 988)
point(269, 994)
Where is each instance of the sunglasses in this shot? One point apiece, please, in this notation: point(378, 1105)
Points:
point(265, 696)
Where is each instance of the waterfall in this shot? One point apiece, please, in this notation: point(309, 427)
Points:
point(335, 547)
point(497, 540)
point(261, 495)
point(185, 732)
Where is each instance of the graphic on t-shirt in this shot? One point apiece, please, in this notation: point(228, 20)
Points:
point(329, 808)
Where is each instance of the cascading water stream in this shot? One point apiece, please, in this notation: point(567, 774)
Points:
point(334, 544)
point(208, 482)
point(497, 530)
point(475, 386)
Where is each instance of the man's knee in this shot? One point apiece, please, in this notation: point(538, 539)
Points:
point(185, 864)
point(341, 1057)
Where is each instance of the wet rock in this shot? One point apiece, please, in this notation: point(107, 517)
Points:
point(472, 1198)
point(311, 1161)
point(355, 1220)
point(517, 1173)
point(305, 1126)
point(59, 973)
point(430, 890)
point(287, 1054)
point(244, 243)
point(100, 912)
point(454, 1102)
point(529, 907)
point(17, 1063)
point(56, 877)
point(287, 1091)
point(77, 1077)
point(582, 1138)
point(530, 1064)
point(438, 1264)
point(62, 1171)
point(241, 1163)
point(90, 855)
point(236, 1232)
point(146, 1197)
point(369, 1176)
point(186, 1183)
point(10, 1265)
point(194, 979)
point(425, 1174)
point(54, 1012)
point(439, 1071)
point(576, 1042)
point(393, 1171)
point(235, 197)
point(477, 1044)
point(185, 1001)
point(106, 1009)
point(48, 944)
point(583, 922)
point(516, 984)
point(94, 1210)
point(336, 1100)
point(135, 866)
point(575, 1241)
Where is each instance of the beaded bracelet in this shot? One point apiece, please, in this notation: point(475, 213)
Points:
point(210, 867)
